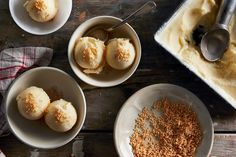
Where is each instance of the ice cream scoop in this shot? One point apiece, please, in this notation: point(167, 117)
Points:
point(42, 10)
point(102, 33)
point(60, 116)
point(215, 42)
point(120, 53)
point(32, 102)
point(89, 54)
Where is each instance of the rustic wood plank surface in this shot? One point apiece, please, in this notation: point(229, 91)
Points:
point(156, 66)
point(101, 145)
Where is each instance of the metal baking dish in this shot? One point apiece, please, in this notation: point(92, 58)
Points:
point(212, 84)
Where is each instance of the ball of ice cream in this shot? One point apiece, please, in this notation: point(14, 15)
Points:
point(32, 102)
point(60, 116)
point(89, 53)
point(41, 10)
point(120, 53)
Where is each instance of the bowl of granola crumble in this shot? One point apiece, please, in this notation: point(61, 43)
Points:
point(163, 120)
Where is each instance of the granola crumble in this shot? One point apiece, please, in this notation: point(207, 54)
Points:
point(60, 116)
point(40, 5)
point(175, 132)
point(30, 103)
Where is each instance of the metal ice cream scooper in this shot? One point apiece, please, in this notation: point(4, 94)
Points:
point(215, 42)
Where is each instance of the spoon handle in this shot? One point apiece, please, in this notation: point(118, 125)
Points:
point(147, 7)
point(227, 10)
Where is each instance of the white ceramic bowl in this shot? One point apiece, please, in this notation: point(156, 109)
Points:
point(146, 97)
point(24, 21)
point(37, 133)
point(109, 77)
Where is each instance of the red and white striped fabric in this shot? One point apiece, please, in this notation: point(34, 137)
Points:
point(13, 62)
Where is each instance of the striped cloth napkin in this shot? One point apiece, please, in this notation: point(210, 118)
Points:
point(13, 62)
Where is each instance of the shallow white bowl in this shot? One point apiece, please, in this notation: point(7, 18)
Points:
point(24, 21)
point(125, 120)
point(37, 133)
point(109, 77)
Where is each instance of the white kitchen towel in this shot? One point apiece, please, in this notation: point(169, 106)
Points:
point(1, 154)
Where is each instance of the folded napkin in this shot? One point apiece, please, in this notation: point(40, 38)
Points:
point(1, 154)
point(13, 62)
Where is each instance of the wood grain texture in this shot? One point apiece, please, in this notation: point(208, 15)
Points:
point(103, 104)
point(224, 145)
point(101, 145)
point(156, 66)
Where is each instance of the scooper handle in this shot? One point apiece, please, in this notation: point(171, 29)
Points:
point(227, 10)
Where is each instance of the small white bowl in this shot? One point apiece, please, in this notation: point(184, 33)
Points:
point(108, 77)
point(145, 97)
point(37, 133)
point(24, 21)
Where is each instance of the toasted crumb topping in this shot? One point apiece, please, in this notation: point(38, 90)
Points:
point(30, 104)
point(40, 5)
point(60, 116)
point(90, 55)
point(122, 54)
point(175, 132)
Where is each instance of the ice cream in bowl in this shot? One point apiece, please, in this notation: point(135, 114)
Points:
point(40, 17)
point(104, 63)
point(41, 10)
point(45, 108)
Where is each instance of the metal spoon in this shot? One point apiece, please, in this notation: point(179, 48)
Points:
point(215, 42)
point(102, 33)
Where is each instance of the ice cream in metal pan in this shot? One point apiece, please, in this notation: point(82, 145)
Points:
point(180, 36)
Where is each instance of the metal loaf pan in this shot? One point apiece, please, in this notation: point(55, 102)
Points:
point(210, 83)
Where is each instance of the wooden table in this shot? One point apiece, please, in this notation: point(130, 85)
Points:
point(103, 104)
